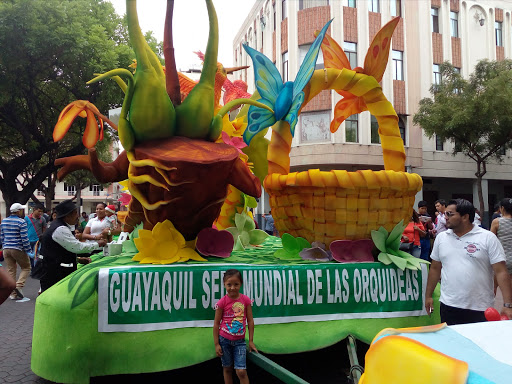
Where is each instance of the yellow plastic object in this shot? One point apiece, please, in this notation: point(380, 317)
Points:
point(327, 206)
point(163, 245)
point(399, 360)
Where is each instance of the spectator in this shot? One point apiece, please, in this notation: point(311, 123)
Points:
point(426, 220)
point(478, 219)
point(84, 219)
point(411, 237)
point(502, 228)
point(440, 219)
point(78, 233)
point(497, 212)
point(59, 246)
point(16, 247)
point(36, 225)
point(466, 257)
point(269, 223)
point(52, 217)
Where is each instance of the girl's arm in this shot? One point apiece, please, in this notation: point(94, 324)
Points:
point(250, 325)
point(216, 325)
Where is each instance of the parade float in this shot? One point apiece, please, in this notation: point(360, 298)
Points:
point(336, 269)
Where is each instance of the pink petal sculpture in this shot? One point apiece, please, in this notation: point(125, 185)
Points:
point(352, 251)
point(211, 242)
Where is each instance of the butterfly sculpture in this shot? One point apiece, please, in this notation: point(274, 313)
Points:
point(374, 65)
point(284, 99)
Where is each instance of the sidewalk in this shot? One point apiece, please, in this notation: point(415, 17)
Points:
point(16, 323)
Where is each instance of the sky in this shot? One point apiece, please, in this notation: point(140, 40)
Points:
point(190, 26)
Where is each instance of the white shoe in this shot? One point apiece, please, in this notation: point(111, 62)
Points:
point(13, 296)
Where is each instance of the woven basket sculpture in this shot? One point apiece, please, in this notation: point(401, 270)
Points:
point(336, 205)
point(328, 206)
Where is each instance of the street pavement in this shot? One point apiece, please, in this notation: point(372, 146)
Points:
point(16, 324)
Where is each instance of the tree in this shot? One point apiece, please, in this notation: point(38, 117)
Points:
point(49, 50)
point(473, 113)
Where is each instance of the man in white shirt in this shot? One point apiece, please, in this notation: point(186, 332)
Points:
point(440, 219)
point(465, 258)
point(59, 246)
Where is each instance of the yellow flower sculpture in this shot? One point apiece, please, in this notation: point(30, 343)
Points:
point(163, 245)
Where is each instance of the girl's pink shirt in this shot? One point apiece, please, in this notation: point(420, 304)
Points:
point(234, 316)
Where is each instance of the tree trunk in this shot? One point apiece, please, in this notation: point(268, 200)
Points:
point(479, 175)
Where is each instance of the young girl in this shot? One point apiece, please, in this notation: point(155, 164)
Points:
point(229, 328)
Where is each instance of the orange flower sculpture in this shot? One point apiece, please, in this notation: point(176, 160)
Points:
point(93, 129)
point(374, 65)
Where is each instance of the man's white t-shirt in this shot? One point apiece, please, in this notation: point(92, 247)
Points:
point(467, 278)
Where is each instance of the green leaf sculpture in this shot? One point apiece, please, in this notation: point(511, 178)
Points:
point(389, 243)
point(245, 232)
point(291, 247)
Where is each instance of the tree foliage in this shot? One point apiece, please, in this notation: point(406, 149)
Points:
point(473, 113)
point(49, 50)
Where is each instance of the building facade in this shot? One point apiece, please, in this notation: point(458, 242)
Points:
point(429, 32)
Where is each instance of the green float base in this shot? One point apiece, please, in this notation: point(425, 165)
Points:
point(67, 347)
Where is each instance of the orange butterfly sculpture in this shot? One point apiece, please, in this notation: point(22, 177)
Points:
point(375, 64)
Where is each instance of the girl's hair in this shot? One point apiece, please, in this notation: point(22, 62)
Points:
point(104, 205)
point(506, 204)
point(415, 216)
point(232, 272)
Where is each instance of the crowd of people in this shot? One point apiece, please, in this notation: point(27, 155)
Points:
point(48, 243)
point(470, 261)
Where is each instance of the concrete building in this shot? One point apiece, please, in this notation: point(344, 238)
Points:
point(430, 32)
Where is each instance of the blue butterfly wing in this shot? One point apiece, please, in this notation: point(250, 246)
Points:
point(257, 120)
point(308, 65)
point(267, 78)
point(293, 115)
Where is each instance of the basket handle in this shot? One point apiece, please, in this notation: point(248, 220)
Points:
point(360, 85)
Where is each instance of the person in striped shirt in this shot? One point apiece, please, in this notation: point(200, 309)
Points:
point(15, 247)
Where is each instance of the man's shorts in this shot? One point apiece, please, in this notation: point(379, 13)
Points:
point(233, 353)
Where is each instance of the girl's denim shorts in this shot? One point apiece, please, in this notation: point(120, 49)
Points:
point(233, 353)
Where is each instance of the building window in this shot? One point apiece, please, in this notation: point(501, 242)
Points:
point(95, 189)
point(285, 67)
point(374, 6)
point(456, 70)
point(502, 151)
point(314, 127)
point(351, 3)
point(398, 65)
point(401, 126)
point(439, 144)
point(352, 129)
point(303, 4)
point(436, 74)
point(434, 19)
point(396, 7)
point(274, 12)
point(70, 189)
point(454, 24)
point(499, 33)
point(303, 50)
point(351, 52)
point(284, 11)
point(374, 130)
